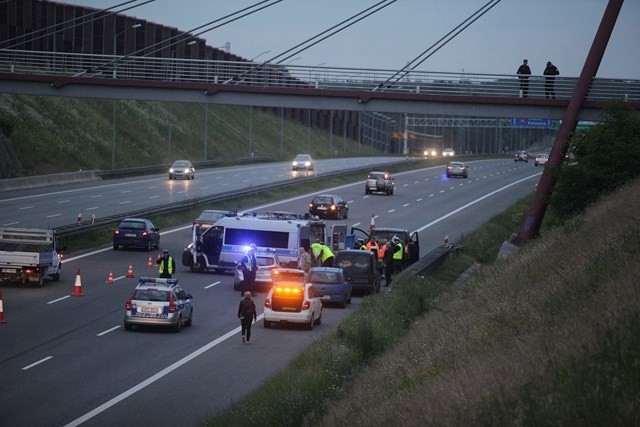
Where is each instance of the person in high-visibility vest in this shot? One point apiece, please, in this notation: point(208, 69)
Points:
point(167, 265)
point(373, 246)
point(398, 251)
point(316, 252)
point(326, 256)
point(360, 245)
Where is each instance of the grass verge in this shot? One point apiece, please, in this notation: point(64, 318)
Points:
point(546, 336)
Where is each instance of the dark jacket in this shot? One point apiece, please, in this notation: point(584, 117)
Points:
point(524, 71)
point(247, 309)
point(551, 70)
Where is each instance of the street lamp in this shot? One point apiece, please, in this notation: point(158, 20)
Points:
point(115, 50)
point(294, 59)
point(258, 55)
point(313, 68)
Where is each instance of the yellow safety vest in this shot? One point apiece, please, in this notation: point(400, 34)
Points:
point(316, 248)
point(398, 254)
point(326, 253)
point(169, 265)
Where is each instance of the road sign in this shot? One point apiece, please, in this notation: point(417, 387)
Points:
point(531, 123)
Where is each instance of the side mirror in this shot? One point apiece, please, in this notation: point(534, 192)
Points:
point(189, 296)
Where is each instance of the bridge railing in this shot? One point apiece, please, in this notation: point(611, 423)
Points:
point(296, 76)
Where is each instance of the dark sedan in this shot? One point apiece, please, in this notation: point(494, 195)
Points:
point(329, 206)
point(136, 232)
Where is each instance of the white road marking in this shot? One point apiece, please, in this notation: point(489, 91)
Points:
point(10, 223)
point(213, 284)
point(26, 207)
point(64, 201)
point(125, 202)
point(163, 373)
point(405, 205)
point(92, 208)
point(391, 210)
point(108, 330)
point(419, 200)
point(96, 196)
point(154, 197)
point(37, 363)
point(53, 216)
point(59, 299)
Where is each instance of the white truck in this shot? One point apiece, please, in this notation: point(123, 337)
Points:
point(27, 255)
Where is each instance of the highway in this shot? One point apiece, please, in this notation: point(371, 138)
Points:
point(67, 360)
point(56, 206)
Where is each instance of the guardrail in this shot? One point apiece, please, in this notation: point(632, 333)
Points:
point(84, 226)
point(295, 76)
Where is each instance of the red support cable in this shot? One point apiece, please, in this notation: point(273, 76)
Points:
point(535, 215)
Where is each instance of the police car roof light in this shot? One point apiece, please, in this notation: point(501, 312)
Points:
point(158, 280)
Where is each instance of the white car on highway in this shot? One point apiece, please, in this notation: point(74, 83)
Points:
point(292, 300)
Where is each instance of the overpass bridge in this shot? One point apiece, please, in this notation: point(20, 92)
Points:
point(324, 88)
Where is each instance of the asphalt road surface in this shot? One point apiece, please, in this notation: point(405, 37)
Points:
point(67, 360)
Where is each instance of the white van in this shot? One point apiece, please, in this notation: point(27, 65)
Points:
point(223, 244)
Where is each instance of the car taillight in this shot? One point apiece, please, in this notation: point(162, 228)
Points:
point(267, 303)
point(311, 205)
point(172, 304)
point(116, 232)
point(306, 305)
point(333, 207)
point(128, 305)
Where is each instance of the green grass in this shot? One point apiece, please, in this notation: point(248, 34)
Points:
point(547, 336)
point(55, 134)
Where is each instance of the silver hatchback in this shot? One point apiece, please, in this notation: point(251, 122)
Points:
point(157, 301)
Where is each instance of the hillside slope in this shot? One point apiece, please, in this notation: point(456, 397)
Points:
point(547, 336)
point(44, 135)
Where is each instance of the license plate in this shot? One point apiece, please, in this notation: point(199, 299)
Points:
point(326, 297)
point(130, 235)
point(322, 208)
point(9, 270)
point(148, 309)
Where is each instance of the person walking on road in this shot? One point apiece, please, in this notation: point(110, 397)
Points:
point(167, 265)
point(550, 72)
point(249, 266)
point(524, 72)
point(247, 315)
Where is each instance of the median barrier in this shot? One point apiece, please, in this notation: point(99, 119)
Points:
point(41, 181)
point(427, 263)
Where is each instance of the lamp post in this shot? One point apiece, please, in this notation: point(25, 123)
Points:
point(113, 130)
point(115, 48)
point(294, 59)
point(258, 55)
point(311, 70)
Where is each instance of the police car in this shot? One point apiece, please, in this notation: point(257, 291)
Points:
point(157, 301)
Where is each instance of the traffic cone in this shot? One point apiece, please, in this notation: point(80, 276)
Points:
point(149, 263)
point(373, 222)
point(446, 239)
point(1, 310)
point(130, 274)
point(110, 279)
point(77, 289)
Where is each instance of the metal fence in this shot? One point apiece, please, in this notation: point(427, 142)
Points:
point(304, 77)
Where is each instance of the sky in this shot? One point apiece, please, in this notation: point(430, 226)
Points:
point(560, 31)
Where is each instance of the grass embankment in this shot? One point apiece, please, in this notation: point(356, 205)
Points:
point(547, 336)
point(56, 134)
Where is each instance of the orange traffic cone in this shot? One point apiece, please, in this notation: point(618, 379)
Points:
point(77, 289)
point(1, 310)
point(149, 263)
point(446, 239)
point(130, 274)
point(373, 222)
point(110, 279)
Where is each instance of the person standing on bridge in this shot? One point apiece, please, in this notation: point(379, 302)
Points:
point(524, 72)
point(549, 81)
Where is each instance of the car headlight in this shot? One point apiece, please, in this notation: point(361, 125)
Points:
point(307, 163)
point(295, 163)
point(186, 170)
point(170, 170)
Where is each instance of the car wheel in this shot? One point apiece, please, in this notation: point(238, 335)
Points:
point(309, 326)
point(366, 191)
point(189, 321)
point(346, 213)
point(56, 276)
point(343, 304)
point(157, 245)
point(319, 320)
point(178, 326)
point(266, 323)
point(448, 176)
point(115, 247)
point(128, 326)
point(349, 299)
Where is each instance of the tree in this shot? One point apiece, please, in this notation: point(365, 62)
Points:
point(606, 157)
